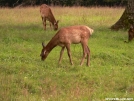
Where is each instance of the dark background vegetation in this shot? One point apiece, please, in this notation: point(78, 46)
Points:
point(14, 3)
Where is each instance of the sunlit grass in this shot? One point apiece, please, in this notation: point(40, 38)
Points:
point(24, 77)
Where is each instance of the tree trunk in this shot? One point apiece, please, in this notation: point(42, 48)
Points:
point(127, 17)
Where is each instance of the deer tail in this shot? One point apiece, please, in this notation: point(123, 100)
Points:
point(91, 31)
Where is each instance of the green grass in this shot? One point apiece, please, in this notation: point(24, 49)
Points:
point(24, 77)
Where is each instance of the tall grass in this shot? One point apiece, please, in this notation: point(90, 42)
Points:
point(24, 77)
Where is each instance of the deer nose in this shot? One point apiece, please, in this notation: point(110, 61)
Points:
point(42, 59)
point(55, 29)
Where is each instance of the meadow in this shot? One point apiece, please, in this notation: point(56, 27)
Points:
point(24, 77)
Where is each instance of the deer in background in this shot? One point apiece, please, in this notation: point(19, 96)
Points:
point(131, 33)
point(67, 36)
point(46, 14)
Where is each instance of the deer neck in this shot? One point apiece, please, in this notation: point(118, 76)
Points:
point(52, 20)
point(51, 44)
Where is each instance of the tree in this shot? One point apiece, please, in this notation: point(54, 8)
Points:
point(127, 17)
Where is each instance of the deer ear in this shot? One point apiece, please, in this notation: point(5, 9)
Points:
point(43, 45)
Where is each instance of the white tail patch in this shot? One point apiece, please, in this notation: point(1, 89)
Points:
point(91, 30)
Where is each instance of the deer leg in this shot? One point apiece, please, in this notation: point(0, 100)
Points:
point(84, 46)
point(61, 53)
point(42, 18)
point(84, 56)
point(69, 53)
point(88, 56)
point(44, 22)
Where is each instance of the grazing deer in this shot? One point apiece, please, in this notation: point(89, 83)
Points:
point(66, 36)
point(46, 14)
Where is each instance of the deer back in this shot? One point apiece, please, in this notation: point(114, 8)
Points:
point(74, 34)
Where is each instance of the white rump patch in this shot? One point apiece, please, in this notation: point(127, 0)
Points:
point(91, 30)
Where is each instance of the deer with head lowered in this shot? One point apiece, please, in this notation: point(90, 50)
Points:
point(46, 14)
point(67, 36)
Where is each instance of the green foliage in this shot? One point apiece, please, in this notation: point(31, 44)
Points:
point(24, 77)
point(14, 3)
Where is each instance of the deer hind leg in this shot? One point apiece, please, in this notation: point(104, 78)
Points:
point(84, 55)
point(61, 53)
point(86, 52)
point(69, 53)
point(88, 56)
point(44, 22)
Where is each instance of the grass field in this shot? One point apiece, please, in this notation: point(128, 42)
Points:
point(24, 77)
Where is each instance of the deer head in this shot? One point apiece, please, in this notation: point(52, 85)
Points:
point(56, 25)
point(44, 52)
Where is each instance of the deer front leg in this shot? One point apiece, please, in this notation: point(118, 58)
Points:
point(44, 22)
point(61, 53)
point(69, 53)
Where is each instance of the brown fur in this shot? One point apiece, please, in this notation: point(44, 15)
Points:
point(46, 14)
point(131, 33)
point(67, 36)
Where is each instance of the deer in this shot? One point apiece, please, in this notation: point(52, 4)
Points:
point(130, 34)
point(65, 37)
point(46, 14)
